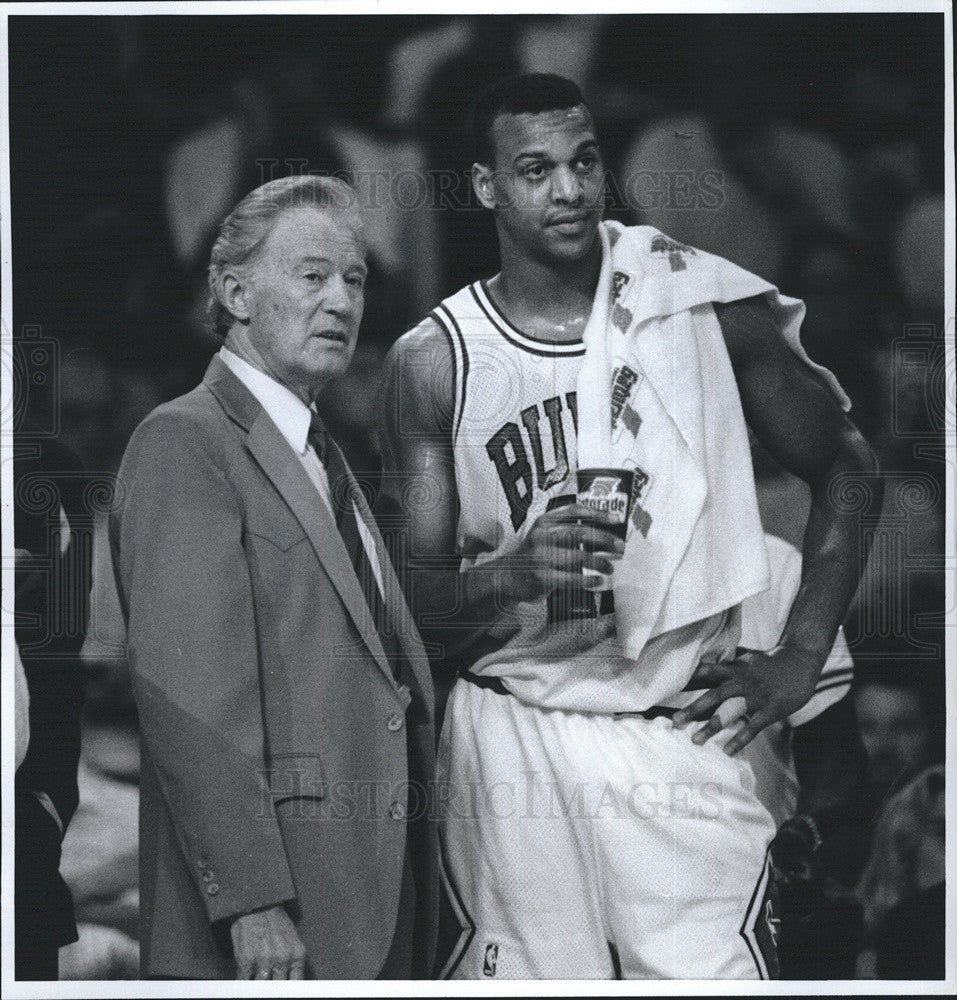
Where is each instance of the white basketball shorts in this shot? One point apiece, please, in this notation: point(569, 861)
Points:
point(583, 846)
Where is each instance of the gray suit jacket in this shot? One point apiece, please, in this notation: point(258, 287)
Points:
point(275, 759)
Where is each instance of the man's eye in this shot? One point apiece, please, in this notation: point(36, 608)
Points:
point(356, 280)
point(587, 162)
point(535, 172)
point(312, 276)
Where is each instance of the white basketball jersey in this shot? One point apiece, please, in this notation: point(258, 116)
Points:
point(514, 443)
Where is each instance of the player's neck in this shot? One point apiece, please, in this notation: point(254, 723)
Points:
point(548, 300)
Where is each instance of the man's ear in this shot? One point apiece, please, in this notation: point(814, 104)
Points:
point(234, 289)
point(483, 180)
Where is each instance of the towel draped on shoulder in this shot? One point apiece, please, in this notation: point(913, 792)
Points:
point(657, 395)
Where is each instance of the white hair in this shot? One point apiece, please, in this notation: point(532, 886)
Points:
point(247, 226)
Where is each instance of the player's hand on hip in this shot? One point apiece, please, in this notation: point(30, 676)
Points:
point(754, 690)
point(560, 545)
point(267, 945)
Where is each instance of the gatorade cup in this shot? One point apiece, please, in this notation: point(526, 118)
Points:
point(608, 494)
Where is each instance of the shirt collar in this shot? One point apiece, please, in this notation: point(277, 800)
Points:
point(286, 410)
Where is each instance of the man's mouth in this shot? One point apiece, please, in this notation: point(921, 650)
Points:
point(338, 336)
point(570, 222)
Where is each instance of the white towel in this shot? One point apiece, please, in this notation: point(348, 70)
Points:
point(657, 394)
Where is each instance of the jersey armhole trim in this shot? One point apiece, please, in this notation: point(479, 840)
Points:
point(460, 362)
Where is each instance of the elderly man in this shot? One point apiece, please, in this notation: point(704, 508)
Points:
point(284, 695)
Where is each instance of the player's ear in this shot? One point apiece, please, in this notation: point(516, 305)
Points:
point(234, 293)
point(483, 180)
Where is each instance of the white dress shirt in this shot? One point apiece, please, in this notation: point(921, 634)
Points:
point(292, 418)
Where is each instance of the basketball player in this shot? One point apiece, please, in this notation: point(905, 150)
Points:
point(589, 830)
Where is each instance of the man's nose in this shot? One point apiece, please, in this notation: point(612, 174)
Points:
point(566, 187)
point(336, 298)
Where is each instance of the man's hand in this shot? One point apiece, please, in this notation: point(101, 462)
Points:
point(768, 686)
point(556, 550)
point(267, 945)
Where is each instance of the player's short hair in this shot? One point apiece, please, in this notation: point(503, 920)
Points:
point(243, 232)
point(529, 93)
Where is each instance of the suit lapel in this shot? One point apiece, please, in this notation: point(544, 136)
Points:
point(278, 461)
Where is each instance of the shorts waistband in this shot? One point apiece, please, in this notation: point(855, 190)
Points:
point(495, 684)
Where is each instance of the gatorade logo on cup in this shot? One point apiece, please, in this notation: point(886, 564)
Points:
point(608, 493)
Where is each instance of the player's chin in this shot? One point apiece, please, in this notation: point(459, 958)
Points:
point(571, 246)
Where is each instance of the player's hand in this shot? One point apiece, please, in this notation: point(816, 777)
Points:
point(267, 945)
point(755, 689)
point(558, 547)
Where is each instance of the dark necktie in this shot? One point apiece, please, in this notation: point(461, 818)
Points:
point(346, 514)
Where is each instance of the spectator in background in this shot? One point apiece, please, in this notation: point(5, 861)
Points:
point(893, 712)
point(894, 728)
point(53, 537)
point(290, 116)
point(902, 888)
point(735, 170)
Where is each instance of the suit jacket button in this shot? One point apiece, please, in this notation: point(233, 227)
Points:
point(394, 723)
point(212, 889)
point(396, 811)
point(207, 876)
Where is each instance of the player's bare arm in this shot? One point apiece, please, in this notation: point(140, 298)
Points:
point(418, 503)
point(798, 420)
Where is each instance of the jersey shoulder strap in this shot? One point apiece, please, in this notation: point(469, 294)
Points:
point(450, 316)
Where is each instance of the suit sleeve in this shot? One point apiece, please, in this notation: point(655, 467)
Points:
point(176, 536)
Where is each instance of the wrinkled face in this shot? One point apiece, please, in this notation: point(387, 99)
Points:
point(304, 295)
point(893, 731)
point(547, 185)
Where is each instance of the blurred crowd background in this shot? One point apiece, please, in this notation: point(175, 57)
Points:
point(806, 148)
